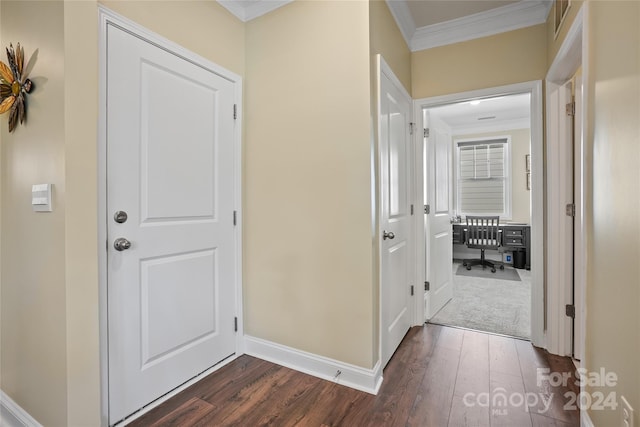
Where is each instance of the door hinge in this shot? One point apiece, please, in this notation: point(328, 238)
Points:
point(570, 311)
point(235, 111)
point(411, 290)
point(570, 209)
point(235, 218)
point(235, 324)
point(427, 209)
point(411, 125)
point(411, 209)
point(426, 286)
point(571, 109)
point(426, 132)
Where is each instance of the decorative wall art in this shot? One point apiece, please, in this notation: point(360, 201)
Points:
point(14, 87)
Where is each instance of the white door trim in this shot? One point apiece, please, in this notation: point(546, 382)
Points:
point(572, 54)
point(537, 193)
point(108, 17)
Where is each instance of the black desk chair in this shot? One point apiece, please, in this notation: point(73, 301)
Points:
point(482, 233)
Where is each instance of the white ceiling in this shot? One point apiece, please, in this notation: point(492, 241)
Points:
point(489, 115)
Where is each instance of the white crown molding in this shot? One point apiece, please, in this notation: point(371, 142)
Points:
point(495, 21)
point(248, 10)
point(402, 15)
point(367, 380)
point(522, 14)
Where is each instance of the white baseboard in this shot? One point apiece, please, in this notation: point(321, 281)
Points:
point(368, 380)
point(585, 419)
point(12, 415)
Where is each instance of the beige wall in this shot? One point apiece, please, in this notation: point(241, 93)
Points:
point(613, 288)
point(81, 239)
point(33, 262)
point(308, 244)
point(386, 39)
point(512, 57)
point(520, 147)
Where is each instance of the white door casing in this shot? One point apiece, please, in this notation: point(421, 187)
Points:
point(396, 235)
point(439, 273)
point(170, 166)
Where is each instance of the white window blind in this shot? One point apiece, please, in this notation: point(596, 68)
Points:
point(482, 177)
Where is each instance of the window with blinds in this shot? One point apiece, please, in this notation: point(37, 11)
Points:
point(483, 178)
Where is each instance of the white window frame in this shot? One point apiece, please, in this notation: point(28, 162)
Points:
point(507, 168)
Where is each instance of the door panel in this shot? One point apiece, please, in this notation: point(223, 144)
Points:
point(395, 110)
point(163, 166)
point(440, 249)
point(178, 303)
point(171, 295)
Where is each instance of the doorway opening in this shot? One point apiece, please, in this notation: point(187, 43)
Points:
point(488, 151)
point(481, 154)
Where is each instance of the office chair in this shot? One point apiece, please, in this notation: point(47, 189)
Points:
point(482, 233)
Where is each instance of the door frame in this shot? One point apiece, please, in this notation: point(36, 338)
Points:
point(383, 68)
point(534, 88)
point(573, 54)
point(108, 17)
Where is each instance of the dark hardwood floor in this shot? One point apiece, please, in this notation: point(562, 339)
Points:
point(439, 376)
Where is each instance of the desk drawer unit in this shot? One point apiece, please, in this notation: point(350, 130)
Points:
point(513, 237)
point(513, 241)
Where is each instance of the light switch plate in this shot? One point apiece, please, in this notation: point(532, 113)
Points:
point(41, 197)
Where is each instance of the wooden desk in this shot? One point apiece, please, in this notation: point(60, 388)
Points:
point(513, 237)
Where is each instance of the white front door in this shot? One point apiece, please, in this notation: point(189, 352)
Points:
point(396, 234)
point(438, 230)
point(170, 199)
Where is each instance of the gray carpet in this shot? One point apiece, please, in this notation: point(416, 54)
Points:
point(497, 306)
point(478, 271)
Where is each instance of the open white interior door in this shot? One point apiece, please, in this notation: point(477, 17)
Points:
point(560, 220)
point(439, 274)
point(396, 232)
